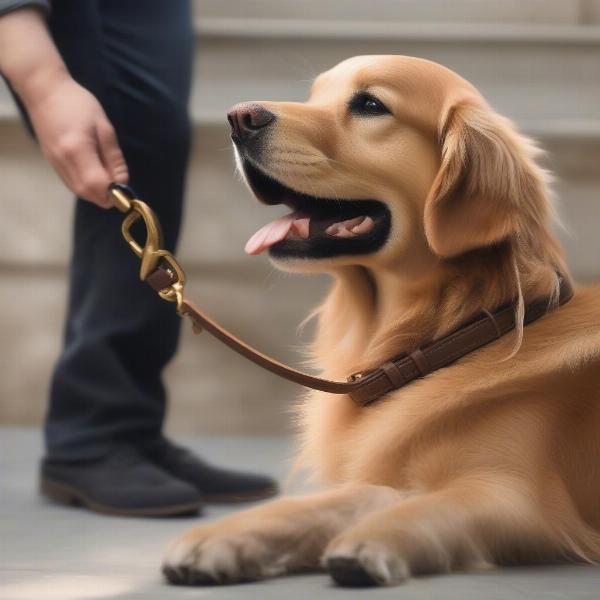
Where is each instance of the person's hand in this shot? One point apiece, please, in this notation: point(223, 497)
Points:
point(77, 138)
point(74, 133)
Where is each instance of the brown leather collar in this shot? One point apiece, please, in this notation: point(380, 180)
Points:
point(365, 388)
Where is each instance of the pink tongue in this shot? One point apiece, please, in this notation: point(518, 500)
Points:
point(272, 233)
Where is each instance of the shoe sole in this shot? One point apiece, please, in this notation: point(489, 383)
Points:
point(65, 494)
point(241, 497)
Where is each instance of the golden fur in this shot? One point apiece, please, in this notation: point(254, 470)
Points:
point(494, 459)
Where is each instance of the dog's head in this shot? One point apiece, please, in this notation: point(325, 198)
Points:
point(391, 160)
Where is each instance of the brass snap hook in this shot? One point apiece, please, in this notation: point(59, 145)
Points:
point(150, 252)
point(123, 198)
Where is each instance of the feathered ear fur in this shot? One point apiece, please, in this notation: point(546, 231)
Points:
point(488, 183)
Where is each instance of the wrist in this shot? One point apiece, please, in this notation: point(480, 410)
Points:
point(28, 57)
point(35, 84)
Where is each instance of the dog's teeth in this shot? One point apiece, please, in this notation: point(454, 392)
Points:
point(351, 223)
point(301, 227)
point(364, 226)
point(351, 227)
point(344, 233)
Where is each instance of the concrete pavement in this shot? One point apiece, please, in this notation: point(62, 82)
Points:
point(48, 552)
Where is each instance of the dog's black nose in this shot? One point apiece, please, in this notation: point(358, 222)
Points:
point(247, 118)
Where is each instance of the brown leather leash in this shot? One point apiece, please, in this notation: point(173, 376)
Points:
point(164, 274)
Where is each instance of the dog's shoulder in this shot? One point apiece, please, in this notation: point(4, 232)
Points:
point(569, 336)
point(580, 317)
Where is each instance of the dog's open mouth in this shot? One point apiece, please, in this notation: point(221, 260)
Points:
point(317, 227)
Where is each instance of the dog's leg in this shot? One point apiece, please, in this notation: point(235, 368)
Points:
point(281, 536)
point(463, 527)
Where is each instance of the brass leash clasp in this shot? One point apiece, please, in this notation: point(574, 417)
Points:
point(151, 253)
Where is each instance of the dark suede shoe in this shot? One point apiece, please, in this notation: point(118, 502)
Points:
point(124, 483)
point(214, 483)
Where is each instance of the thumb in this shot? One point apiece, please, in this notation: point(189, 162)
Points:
point(110, 152)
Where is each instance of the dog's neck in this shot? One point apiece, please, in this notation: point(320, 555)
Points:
point(371, 316)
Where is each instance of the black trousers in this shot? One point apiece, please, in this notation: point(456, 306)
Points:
point(135, 57)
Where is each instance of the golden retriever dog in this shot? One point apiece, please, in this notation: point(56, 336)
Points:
point(426, 207)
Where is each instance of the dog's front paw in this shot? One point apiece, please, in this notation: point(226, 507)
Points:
point(355, 562)
point(205, 556)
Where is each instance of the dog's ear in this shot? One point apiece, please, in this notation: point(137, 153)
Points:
point(486, 183)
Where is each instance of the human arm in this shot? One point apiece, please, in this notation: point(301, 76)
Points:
point(73, 131)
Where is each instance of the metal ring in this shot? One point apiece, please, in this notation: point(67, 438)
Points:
point(121, 196)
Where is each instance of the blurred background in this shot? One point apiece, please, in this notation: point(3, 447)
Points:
point(536, 61)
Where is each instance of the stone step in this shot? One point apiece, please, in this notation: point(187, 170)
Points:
point(424, 11)
point(534, 74)
point(37, 209)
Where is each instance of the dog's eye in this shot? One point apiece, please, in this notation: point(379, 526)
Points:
point(365, 104)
